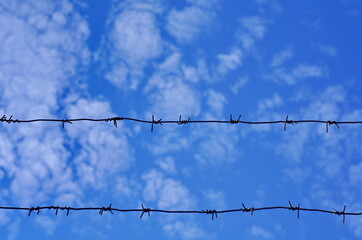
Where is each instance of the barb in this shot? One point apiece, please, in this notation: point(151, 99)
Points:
point(244, 209)
point(155, 122)
point(341, 213)
point(37, 209)
point(114, 120)
point(145, 210)
point(180, 121)
point(67, 208)
point(329, 123)
point(65, 121)
point(288, 122)
point(234, 121)
point(9, 120)
point(214, 213)
point(56, 210)
point(103, 209)
point(294, 208)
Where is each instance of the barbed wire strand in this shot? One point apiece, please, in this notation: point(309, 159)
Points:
point(180, 121)
point(214, 213)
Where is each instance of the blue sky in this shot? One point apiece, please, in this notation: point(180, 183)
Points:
point(203, 59)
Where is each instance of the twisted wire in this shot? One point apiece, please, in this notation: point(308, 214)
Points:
point(180, 121)
point(213, 212)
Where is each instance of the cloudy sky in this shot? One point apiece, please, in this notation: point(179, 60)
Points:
point(204, 59)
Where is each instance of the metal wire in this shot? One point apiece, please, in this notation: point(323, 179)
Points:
point(180, 121)
point(214, 213)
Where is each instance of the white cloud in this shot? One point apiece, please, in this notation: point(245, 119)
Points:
point(136, 36)
point(170, 95)
point(40, 44)
point(119, 76)
point(321, 106)
point(171, 194)
point(281, 57)
point(170, 141)
point(215, 101)
point(326, 159)
point(167, 164)
point(298, 73)
point(215, 145)
point(171, 64)
point(216, 199)
point(327, 49)
point(295, 152)
point(252, 28)
point(197, 73)
point(306, 71)
point(297, 174)
point(126, 187)
point(43, 171)
point(269, 103)
point(355, 174)
point(274, 5)
point(14, 229)
point(211, 145)
point(105, 151)
point(266, 110)
point(174, 99)
point(166, 192)
point(230, 61)
point(260, 232)
point(134, 41)
point(255, 25)
point(184, 229)
point(26, 50)
point(185, 25)
point(204, 3)
point(239, 84)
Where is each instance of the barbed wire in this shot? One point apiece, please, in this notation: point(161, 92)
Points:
point(180, 121)
point(214, 213)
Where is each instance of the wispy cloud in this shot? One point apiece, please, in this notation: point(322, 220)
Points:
point(166, 192)
point(215, 199)
point(216, 101)
point(267, 108)
point(99, 159)
point(167, 90)
point(45, 45)
point(229, 61)
point(238, 84)
point(186, 24)
point(273, 4)
point(134, 40)
point(295, 75)
point(260, 232)
point(327, 49)
point(281, 57)
point(204, 3)
point(169, 193)
point(252, 28)
point(167, 164)
point(185, 230)
point(215, 145)
point(269, 103)
point(41, 45)
point(331, 162)
point(136, 36)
